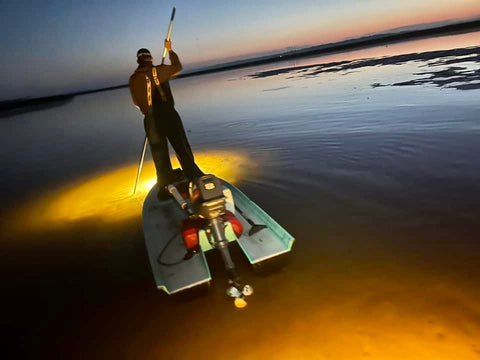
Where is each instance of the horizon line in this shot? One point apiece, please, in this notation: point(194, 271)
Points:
point(365, 41)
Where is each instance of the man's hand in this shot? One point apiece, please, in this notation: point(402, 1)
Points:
point(168, 45)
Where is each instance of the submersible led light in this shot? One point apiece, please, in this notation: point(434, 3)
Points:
point(107, 197)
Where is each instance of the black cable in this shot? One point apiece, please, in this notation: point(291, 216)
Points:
point(159, 259)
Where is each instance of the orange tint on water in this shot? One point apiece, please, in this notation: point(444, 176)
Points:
point(108, 197)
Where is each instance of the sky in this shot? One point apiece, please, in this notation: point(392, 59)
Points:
point(55, 46)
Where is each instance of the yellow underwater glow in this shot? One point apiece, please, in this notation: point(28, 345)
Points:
point(108, 196)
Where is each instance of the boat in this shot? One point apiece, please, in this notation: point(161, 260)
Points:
point(202, 215)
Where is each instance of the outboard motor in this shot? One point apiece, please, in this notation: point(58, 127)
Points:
point(209, 203)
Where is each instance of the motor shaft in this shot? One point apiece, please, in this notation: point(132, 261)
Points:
point(221, 243)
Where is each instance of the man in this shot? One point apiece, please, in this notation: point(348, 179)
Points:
point(152, 95)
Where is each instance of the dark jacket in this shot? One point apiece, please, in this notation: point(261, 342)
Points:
point(138, 83)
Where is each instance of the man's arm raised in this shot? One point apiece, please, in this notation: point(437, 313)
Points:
point(167, 72)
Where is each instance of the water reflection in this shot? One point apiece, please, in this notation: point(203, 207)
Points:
point(465, 77)
point(18, 107)
point(454, 77)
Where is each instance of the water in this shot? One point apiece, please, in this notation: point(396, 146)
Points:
point(378, 182)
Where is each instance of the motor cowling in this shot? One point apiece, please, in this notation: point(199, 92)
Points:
point(207, 197)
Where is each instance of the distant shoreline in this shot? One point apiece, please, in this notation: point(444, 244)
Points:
point(342, 46)
point(21, 103)
point(346, 45)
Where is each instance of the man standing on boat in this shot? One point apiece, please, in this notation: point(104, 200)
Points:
point(152, 95)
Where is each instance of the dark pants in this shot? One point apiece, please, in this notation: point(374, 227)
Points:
point(165, 124)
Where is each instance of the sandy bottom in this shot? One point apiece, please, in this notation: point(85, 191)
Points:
point(348, 293)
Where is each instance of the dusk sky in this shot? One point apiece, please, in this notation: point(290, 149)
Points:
point(52, 47)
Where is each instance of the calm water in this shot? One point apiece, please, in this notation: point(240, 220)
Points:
point(371, 164)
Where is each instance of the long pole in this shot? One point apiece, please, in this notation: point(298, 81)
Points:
point(140, 164)
point(145, 142)
point(169, 33)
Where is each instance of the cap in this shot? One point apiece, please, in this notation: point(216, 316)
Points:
point(143, 52)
